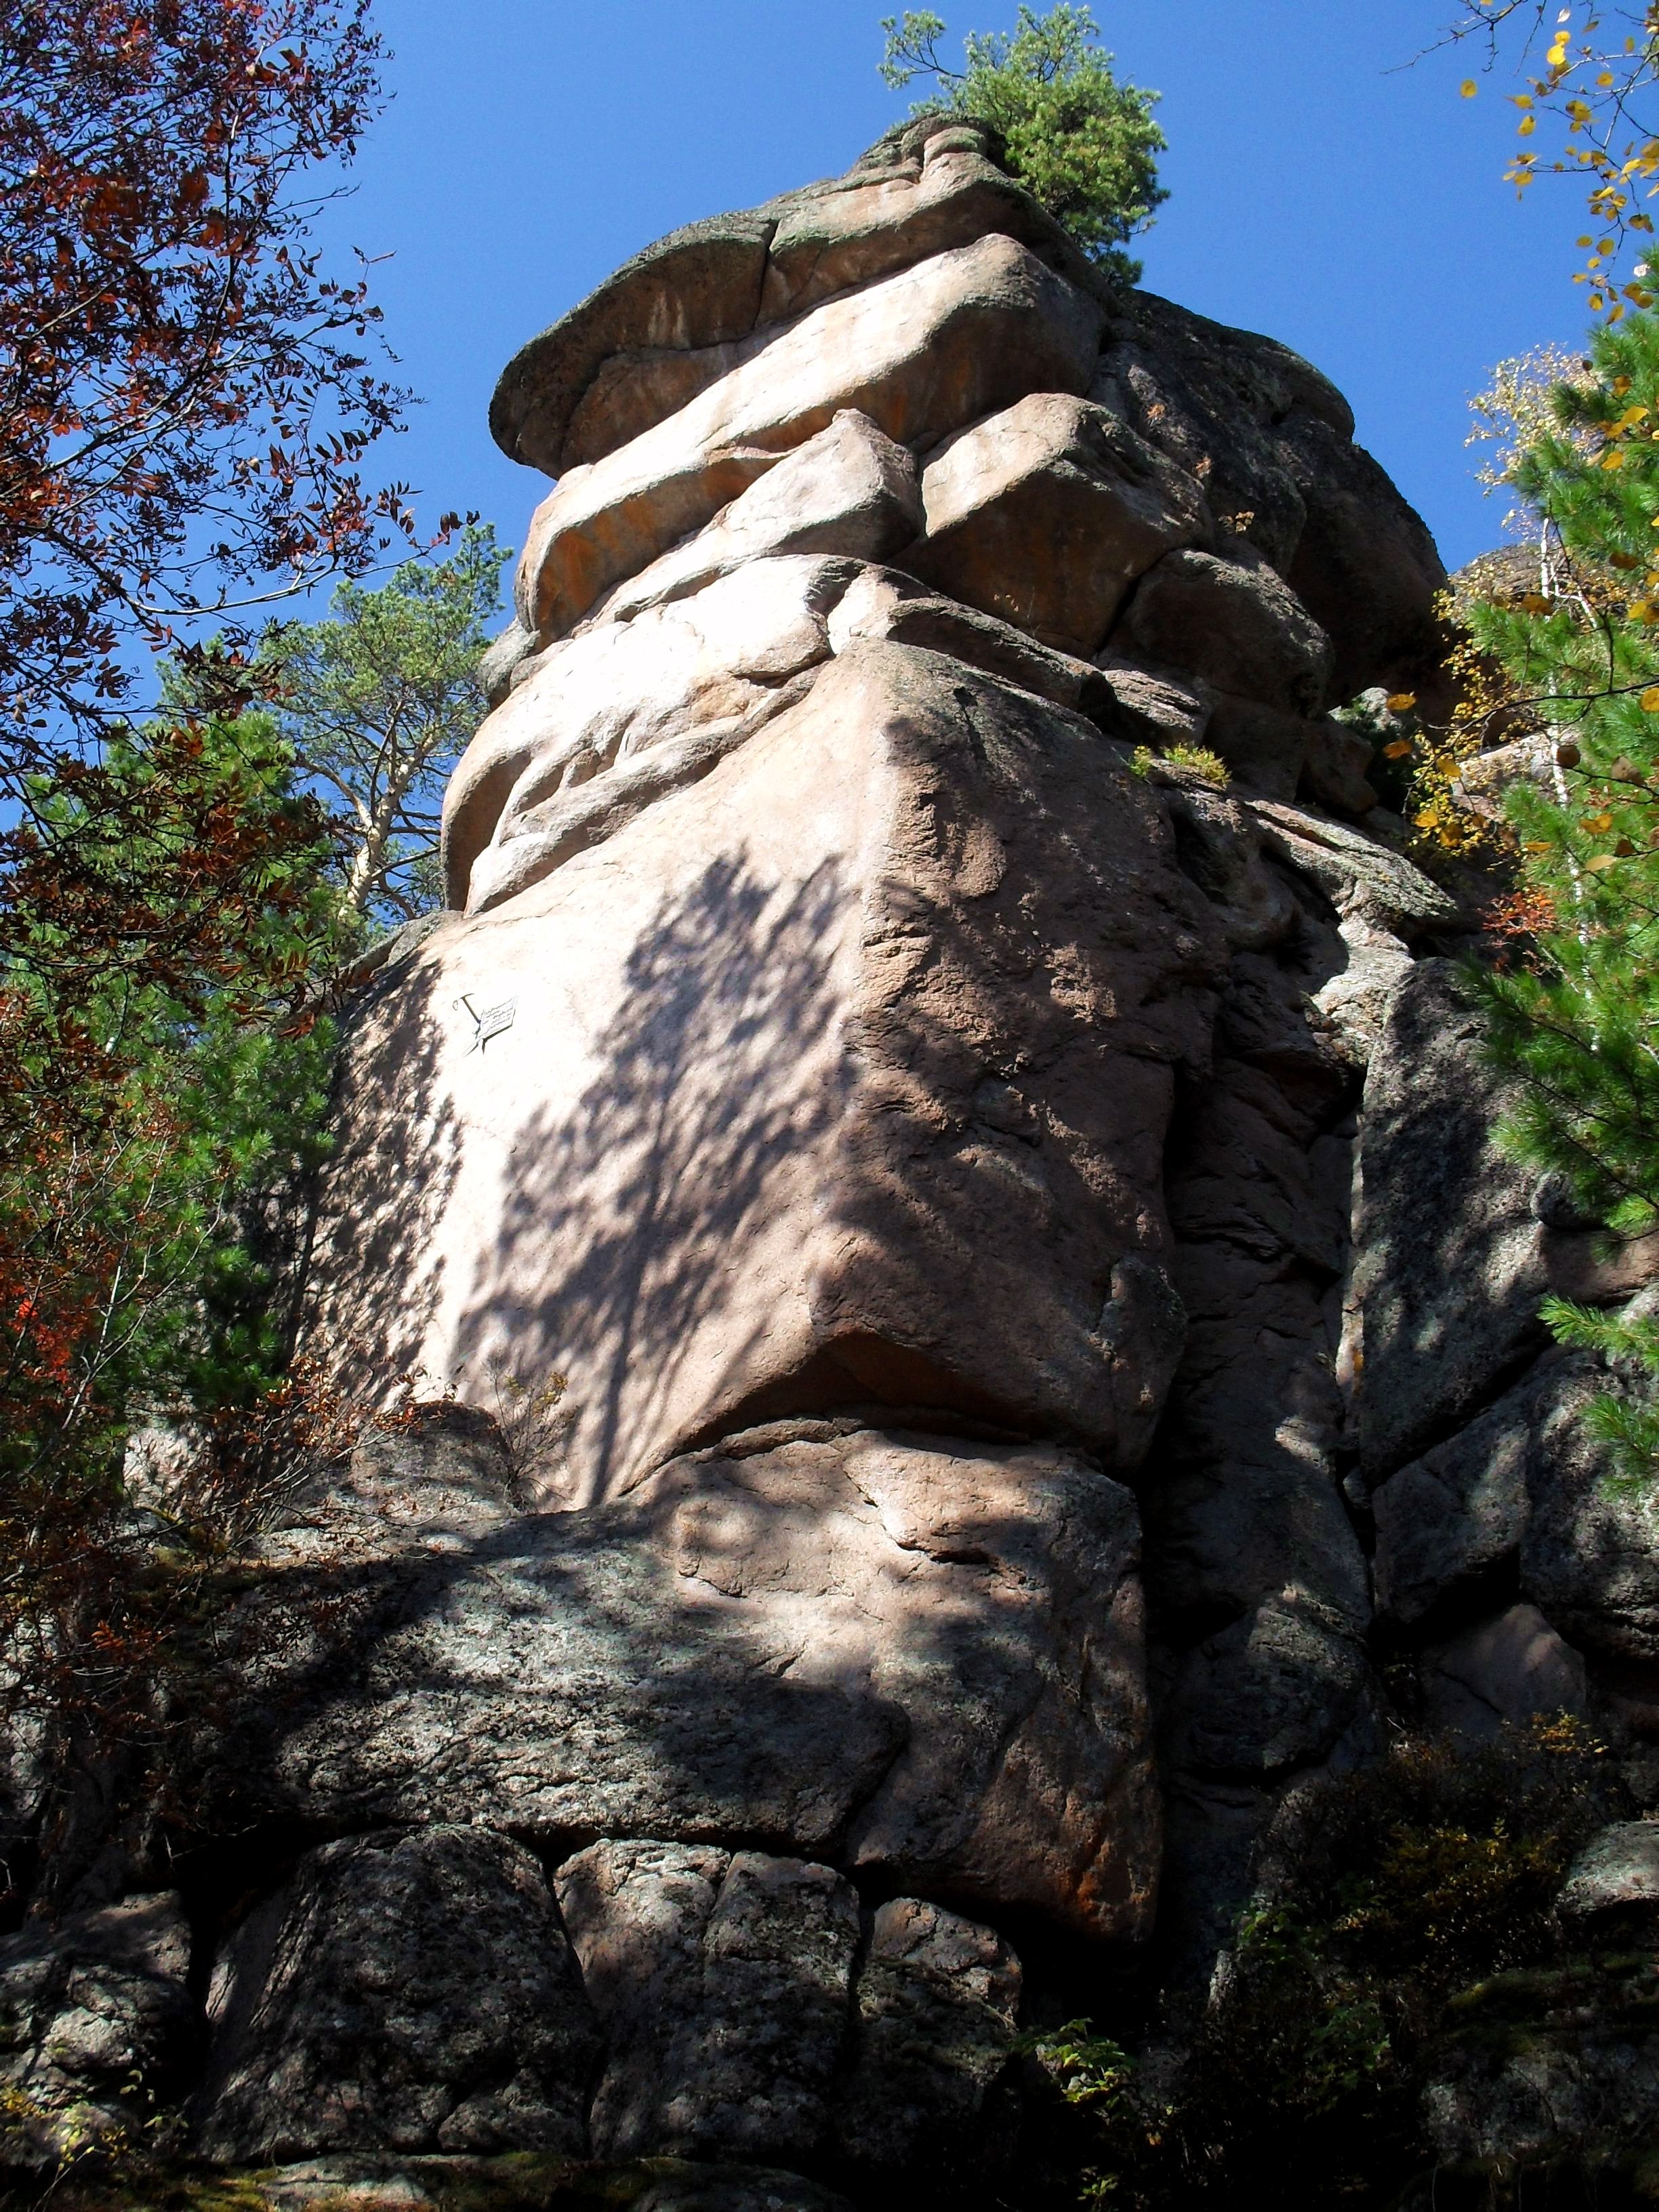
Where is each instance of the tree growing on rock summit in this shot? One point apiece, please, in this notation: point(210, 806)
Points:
point(1080, 142)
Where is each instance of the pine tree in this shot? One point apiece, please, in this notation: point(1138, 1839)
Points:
point(1577, 1019)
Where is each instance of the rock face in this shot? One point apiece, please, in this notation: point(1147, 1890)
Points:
point(939, 1199)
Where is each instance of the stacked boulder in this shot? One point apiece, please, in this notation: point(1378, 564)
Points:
point(927, 1313)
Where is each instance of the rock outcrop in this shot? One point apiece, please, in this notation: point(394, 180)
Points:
point(939, 1197)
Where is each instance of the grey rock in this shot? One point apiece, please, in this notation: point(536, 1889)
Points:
point(724, 1983)
point(1365, 568)
point(1361, 876)
point(506, 655)
point(1234, 623)
point(1155, 706)
point(1616, 1871)
point(1218, 844)
point(1264, 747)
point(1450, 1269)
point(98, 2029)
point(1045, 515)
point(1447, 1522)
point(920, 1655)
point(926, 2094)
point(1273, 1691)
point(1512, 1669)
point(406, 1991)
point(736, 2189)
point(431, 1479)
point(1335, 761)
point(1521, 2099)
point(1589, 1554)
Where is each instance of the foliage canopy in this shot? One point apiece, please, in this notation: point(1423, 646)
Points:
point(1083, 144)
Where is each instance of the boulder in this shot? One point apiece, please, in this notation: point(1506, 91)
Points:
point(729, 1155)
point(1266, 749)
point(1046, 514)
point(405, 1991)
point(1589, 1552)
point(880, 604)
point(1360, 875)
point(917, 1657)
point(855, 229)
point(1333, 764)
point(848, 490)
point(98, 2028)
point(1232, 621)
point(704, 669)
point(1273, 1691)
point(1450, 1269)
point(1448, 1525)
point(724, 1984)
point(1155, 706)
point(920, 353)
point(1614, 1880)
point(928, 2095)
point(665, 324)
point(1506, 1670)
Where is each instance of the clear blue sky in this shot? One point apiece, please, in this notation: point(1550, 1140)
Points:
point(1320, 191)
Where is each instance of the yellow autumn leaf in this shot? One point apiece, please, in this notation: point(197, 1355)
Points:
point(1536, 845)
point(1650, 701)
point(1398, 749)
point(1401, 703)
point(1601, 864)
point(1595, 824)
point(1467, 88)
point(1614, 456)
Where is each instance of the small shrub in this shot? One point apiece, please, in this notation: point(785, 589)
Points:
point(1197, 760)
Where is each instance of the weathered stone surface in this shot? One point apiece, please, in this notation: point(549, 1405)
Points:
point(848, 490)
point(1335, 761)
point(1266, 749)
point(1234, 623)
point(724, 1983)
point(927, 2095)
point(438, 1477)
point(1046, 514)
point(1451, 1522)
point(920, 353)
point(745, 1148)
point(702, 2188)
point(1270, 439)
point(1616, 1871)
point(1578, 2093)
point(97, 2027)
point(914, 1656)
point(701, 670)
point(406, 1991)
point(1154, 707)
point(1512, 1669)
point(1273, 1691)
point(1367, 569)
point(1359, 874)
point(1589, 1552)
point(1450, 1266)
point(848, 231)
point(665, 324)
point(881, 604)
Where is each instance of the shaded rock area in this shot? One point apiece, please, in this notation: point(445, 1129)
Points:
point(945, 1339)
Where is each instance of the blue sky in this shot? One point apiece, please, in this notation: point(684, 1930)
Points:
point(1321, 190)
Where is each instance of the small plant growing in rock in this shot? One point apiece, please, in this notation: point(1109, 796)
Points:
point(1082, 144)
point(1197, 760)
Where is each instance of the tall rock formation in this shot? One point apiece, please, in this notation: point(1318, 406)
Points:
point(925, 1315)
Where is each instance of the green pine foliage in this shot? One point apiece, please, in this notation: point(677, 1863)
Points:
point(1083, 144)
point(1576, 1017)
point(378, 703)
